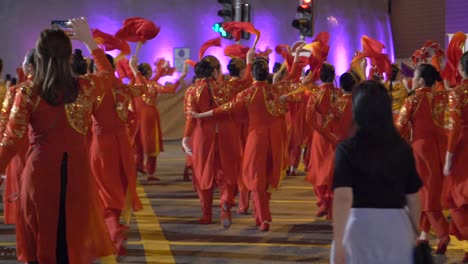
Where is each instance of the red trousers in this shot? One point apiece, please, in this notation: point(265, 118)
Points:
point(116, 230)
point(438, 222)
point(459, 223)
point(227, 193)
point(261, 205)
point(244, 196)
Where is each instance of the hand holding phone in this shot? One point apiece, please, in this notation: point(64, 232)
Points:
point(64, 25)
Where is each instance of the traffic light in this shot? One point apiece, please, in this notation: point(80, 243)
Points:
point(305, 18)
point(233, 10)
point(245, 18)
point(218, 27)
point(227, 13)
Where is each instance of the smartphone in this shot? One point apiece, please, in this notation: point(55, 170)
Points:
point(61, 24)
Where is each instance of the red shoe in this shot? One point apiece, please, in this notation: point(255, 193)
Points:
point(257, 222)
point(226, 219)
point(442, 246)
point(465, 259)
point(265, 226)
point(322, 212)
point(205, 220)
point(242, 211)
point(153, 178)
point(186, 174)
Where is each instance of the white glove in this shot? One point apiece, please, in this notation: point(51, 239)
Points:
point(448, 163)
point(185, 147)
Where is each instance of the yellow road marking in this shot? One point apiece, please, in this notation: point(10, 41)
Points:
point(157, 249)
point(235, 244)
point(248, 219)
point(310, 201)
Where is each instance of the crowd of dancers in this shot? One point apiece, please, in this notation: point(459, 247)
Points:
point(74, 136)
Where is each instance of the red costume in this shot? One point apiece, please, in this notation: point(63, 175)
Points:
point(148, 137)
point(458, 145)
point(112, 161)
point(423, 110)
point(60, 209)
point(264, 150)
point(321, 157)
point(16, 165)
point(215, 162)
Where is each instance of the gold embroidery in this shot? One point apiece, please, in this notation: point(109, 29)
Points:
point(272, 103)
point(150, 97)
point(19, 115)
point(79, 112)
point(122, 100)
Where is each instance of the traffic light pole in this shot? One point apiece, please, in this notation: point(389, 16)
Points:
point(238, 10)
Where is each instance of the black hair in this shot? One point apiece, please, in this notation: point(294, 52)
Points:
point(429, 74)
point(7, 77)
point(145, 70)
point(79, 65)
point(393, 76)
point(30, 58)
point(327, 73)
point(347, 81)
point(14, 81)
point(204, 69)
point(372, 110)
point(1, 65)
point(260, 70)
point(463, 61)
point(235, 67)
point(277, 67)
point(109, 58)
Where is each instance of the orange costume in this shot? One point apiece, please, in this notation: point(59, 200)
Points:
point(148, 137)
point(458, 145)
point(16, 165)
point(263, 153)
point(59, 210)
point(216, 149)
point(112, 161)
point(321, 157)
point(425, 110)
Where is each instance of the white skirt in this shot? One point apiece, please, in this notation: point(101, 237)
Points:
point(378, 236)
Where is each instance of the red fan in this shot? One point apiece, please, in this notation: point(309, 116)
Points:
point(163, 66)
point(236, 51)
point(236, 28)
point(137, 29)
point(265, 53)
point(123, 69)
point(109, 42)
point(454, 54)
point(191, 63)
point(285, 51)
point(216, 42)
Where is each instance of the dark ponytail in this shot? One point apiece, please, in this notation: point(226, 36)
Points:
point(429, 74)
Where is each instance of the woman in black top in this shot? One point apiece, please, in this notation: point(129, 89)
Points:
point(375, 178)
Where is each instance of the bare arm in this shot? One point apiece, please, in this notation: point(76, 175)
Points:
point(342, 201)
point(414, 207)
